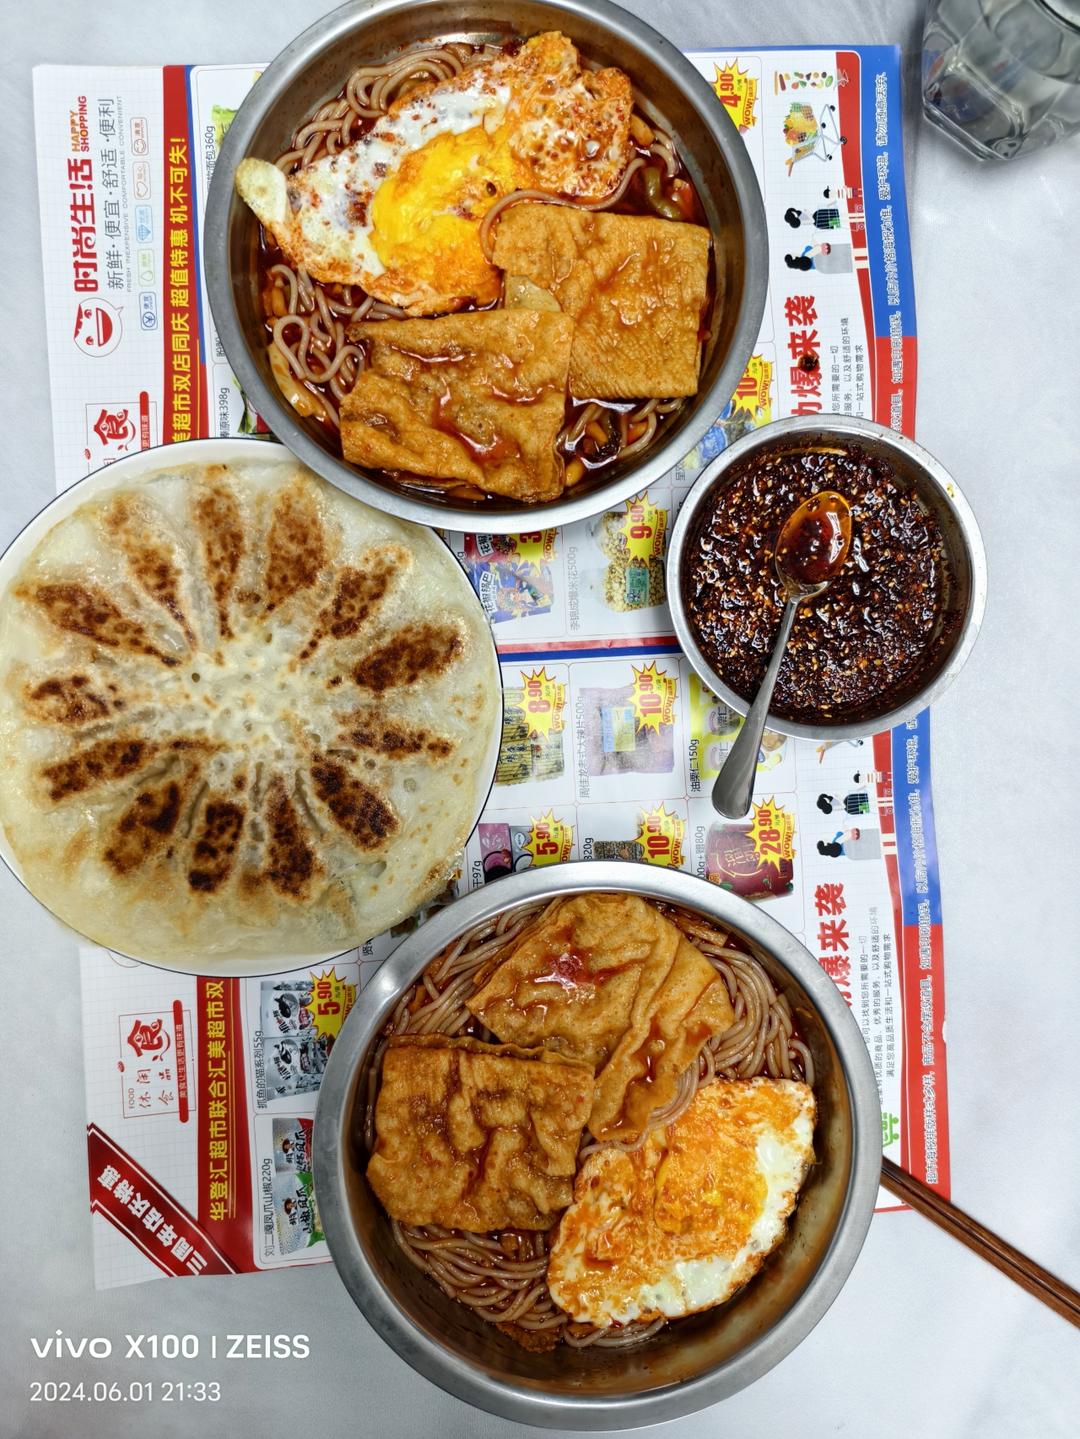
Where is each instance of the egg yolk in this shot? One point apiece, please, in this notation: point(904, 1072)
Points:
point(426, 213)
point(710, 1185)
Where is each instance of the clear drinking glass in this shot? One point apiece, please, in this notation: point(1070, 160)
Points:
point(1002, 76)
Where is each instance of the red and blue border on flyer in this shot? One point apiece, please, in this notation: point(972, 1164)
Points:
point(870, 119)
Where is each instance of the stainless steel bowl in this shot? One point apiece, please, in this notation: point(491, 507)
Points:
point(315, 66)
point(936, 489)
point(690, 1364)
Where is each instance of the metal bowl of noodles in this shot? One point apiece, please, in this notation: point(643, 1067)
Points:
point(693, 1362)
point(669, 91)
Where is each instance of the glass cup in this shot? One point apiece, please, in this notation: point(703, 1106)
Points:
point(1002, 77)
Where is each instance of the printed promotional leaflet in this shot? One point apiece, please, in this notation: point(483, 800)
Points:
point(201, 1092)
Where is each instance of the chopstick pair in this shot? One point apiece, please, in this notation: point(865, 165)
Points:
point(1053, 1292)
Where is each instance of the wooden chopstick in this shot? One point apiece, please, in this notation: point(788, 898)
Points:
point(1038, 1281)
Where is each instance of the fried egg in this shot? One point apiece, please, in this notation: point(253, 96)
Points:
point(681, 1223)
point(398, 211)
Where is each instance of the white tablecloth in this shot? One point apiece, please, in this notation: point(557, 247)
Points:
point(925, 1338)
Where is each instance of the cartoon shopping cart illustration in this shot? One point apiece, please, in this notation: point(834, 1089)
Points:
point(811, 135)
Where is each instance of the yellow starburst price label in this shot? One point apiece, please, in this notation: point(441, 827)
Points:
point(653, 697)
point(331, 999)
point(550, 839)
point(737, 90)
point(643, 527)
point(545, 702)
point(753, 393)
point(661, 835)
point(536, 547)
point(772, 833)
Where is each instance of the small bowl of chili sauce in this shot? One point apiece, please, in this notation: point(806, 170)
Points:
point(896, 624)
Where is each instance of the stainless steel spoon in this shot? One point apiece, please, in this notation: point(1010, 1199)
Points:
point(810, 552)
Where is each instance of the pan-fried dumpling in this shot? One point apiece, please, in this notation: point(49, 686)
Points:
point(241, 713)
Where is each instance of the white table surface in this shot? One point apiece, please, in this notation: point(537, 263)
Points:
point(925, 1338)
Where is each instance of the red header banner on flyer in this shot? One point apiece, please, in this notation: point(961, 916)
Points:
point(184, 400)
point(224, 1156)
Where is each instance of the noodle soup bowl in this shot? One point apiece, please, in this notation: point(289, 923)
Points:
point(690, 1363)
point(671, 93)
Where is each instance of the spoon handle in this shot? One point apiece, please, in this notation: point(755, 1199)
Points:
point(734, 786)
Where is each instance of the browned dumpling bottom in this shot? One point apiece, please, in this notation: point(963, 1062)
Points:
point(240, 713)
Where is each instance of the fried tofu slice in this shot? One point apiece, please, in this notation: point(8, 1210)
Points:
point(479, 398)
point(663, 1038)
point(636, 288)
point(572, 979)
point(477, 1136)
point(609, 981)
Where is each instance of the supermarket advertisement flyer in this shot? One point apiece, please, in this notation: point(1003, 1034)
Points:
point(200, 1092)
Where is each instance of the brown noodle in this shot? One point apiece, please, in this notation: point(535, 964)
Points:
point(501, 1277)
point(311, 355)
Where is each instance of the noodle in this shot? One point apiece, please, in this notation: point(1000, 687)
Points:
point(501, 1277)
point(307, 320)
point(663, 147)
point(632, 448)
